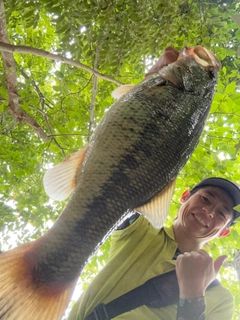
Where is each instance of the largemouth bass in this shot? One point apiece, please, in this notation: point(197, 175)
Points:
point(132, 160)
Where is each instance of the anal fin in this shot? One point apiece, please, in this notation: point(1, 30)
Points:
point(156, 210)
point(120, 91)
point(60, 180)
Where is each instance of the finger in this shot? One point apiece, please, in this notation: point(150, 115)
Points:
point(170, 48)
point(170, 55)
point(218, 263)
point(194, 253)
point(202, 252)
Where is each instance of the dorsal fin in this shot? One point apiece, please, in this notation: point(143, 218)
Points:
point(120, 91)
point(156, 210)
point(60, 180)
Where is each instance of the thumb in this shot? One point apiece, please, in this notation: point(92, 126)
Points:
point(218, 263)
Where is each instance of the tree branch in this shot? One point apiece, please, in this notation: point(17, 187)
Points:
point(6, 47)
point(11, 82)
point(40, 94)
point(43, 104)
point(94, 93)
point(67, 134)
point(72, 93)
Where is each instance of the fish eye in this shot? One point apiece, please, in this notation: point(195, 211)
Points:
point(211, 74)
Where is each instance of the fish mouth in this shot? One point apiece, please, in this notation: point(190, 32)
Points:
point(200, 220)
point(204, 57)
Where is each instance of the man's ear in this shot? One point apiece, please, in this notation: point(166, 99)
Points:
point(224, 233)
point(186, 194)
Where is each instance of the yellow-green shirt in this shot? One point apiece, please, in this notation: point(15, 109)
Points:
point(138, 253)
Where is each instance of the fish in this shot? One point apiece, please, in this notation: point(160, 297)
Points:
point(131, 162)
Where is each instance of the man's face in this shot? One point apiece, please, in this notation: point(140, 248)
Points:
point(206, 213)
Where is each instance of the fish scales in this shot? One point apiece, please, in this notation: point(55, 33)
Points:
point(125, 167)
point(138, 148)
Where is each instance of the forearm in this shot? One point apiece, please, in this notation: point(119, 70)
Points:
point(191, 309)
point(195, 271)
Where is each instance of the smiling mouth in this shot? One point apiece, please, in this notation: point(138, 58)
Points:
point(200, 220)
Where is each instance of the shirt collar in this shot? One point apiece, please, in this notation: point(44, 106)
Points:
point(169, 232)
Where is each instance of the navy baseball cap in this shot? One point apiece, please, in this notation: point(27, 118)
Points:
point(229, 187)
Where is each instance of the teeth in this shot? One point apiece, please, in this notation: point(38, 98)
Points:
point(200, 220)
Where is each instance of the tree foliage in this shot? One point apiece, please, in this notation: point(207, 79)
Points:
point(119, 39)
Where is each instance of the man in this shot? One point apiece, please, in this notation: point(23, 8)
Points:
point(140, 252)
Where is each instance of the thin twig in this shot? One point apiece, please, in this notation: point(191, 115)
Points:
point(227, 114)
point(11, 82)
point(51, 135)
point(216, 137)
point(43, 99)
point(72, 93)
point(67, 134)
point(94, 93)
point(6, 47)
point(38, 110)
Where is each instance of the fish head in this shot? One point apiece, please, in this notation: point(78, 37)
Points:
point(198, 68)
point(204, 57)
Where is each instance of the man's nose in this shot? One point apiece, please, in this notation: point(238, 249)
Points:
point(209, 211)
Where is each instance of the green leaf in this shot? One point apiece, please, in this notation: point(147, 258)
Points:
point(236, 18)
point(59, 74)
point(230, 88)
point(237, 146)
point(29, 13)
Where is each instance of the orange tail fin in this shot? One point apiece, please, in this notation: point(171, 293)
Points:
point(23, 299)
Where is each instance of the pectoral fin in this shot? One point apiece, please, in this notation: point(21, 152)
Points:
point(120, 91)
point(156, 210)
point(60, 180)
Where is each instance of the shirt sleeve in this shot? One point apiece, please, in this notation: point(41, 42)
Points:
point(218, 304)
point(124, 239)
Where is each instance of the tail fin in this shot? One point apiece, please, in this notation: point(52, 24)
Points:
point(23, 299)
point(120, 91)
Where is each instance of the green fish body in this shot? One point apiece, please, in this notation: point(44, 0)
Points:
point(136, 151)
